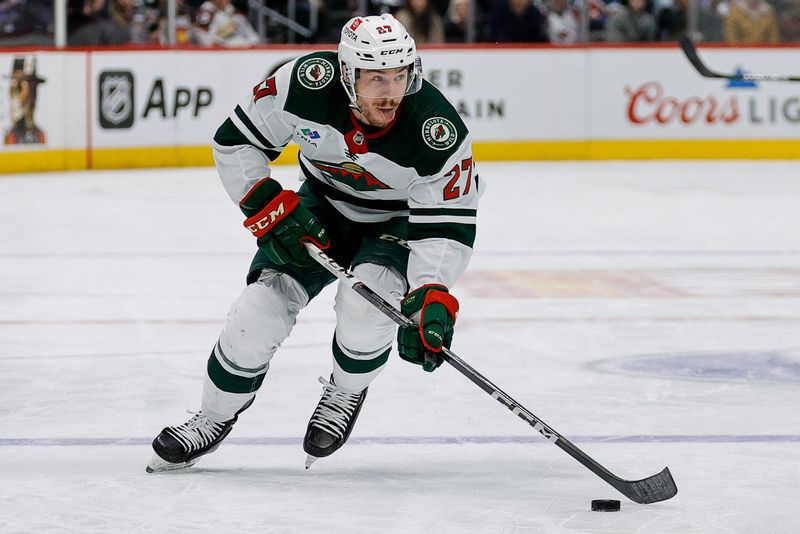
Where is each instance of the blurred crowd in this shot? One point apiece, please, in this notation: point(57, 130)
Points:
point(231, 22)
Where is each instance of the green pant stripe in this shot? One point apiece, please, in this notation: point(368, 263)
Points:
point(351, 365)
point(255, 370)
point(230, 382)
point(229, 135)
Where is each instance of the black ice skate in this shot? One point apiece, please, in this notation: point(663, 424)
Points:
point(180, 447)
point(332, 421)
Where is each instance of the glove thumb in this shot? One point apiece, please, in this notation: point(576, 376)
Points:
point(433, 336)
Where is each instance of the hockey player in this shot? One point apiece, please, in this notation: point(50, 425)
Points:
point(390, 190)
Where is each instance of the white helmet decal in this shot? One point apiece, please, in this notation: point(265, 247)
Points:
point(377, 42)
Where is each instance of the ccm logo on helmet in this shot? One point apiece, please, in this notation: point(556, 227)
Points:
point(391, 52)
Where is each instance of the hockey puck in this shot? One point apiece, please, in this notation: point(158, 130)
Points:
point(605, 505)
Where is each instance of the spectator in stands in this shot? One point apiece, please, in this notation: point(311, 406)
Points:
point(518, 21)
point(673, 20)
point(423, 23)
point(632, 23)
point(597, 20)
point(218, 23)
point(121, 14)
point(145, 17)
point(332, 16)
point(93, 22)
point(25, 22)
point(790, 23)
point(154, 26)
point(562, 22)
point(456, 21)
point(709, 20)
point(751, 21)
point(22, 97)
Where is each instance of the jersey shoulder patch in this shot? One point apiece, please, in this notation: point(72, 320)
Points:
point(314, 72)
point(439, 133)
point(436, 126)
point(314, 87)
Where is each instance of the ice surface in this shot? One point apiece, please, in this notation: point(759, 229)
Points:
point(647, 311)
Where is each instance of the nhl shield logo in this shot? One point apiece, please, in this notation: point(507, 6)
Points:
point(315, 73)
point(116, 104)
point(439, 133)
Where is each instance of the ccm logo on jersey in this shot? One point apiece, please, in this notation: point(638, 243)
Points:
point(273, 212)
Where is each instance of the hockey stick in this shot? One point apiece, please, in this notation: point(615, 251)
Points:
point(658, 487)
point(691, 54)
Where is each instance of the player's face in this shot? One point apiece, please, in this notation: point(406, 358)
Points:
point(379, 93)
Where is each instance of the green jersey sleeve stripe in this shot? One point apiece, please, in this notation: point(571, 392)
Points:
point(456, 212)
point(252, 128)
point(273, 154)
point(463, 233)
point(438, 219)
point(229, 135)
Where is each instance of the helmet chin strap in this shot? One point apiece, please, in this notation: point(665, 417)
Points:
point(350, 96)
point(356, 107)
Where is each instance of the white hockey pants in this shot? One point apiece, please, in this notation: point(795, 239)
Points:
point(264, 315)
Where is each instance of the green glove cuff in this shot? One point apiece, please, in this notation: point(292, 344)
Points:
point(259, 196)
point(415, 300)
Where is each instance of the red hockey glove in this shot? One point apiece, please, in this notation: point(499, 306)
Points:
point(281, 224)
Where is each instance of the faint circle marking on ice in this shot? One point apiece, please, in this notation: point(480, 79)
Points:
point(782, 366)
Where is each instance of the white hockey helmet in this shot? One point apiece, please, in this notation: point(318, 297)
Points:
point(377, 42)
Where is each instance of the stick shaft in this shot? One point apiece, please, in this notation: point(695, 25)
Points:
point(656, 488)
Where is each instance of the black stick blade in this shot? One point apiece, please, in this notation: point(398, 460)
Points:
point(658, 487)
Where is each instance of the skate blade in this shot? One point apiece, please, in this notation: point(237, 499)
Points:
point(310, 460)
point(159, 465)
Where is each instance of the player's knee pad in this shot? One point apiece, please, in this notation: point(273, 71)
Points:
point(360, 327)
point(259, 320)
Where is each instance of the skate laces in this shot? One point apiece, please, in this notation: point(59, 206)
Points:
point(197, 432)
point(335, 409)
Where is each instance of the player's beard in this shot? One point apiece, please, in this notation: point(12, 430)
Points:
point(380, 113)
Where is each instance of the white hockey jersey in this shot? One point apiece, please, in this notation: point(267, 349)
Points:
point(419, 166)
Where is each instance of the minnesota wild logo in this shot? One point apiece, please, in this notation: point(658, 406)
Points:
point(315, 73)
point(439, 133)
point(351, 174)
